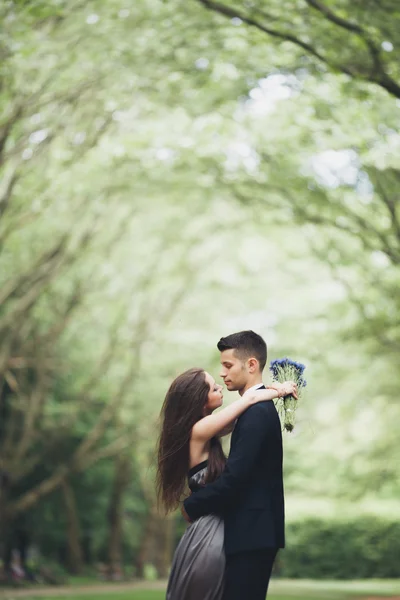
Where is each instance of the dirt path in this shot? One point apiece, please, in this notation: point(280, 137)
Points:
point(68, 590)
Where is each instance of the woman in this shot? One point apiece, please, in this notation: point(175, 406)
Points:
point(190, 448)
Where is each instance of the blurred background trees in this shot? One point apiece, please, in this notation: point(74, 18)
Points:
point(169, 174)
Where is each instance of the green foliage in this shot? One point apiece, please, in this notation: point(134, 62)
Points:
point(360, 548)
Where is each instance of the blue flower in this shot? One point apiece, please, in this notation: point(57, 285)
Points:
point(287, 364)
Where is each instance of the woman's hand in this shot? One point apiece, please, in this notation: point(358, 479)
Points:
point(185, 515)
point(287, 388)
point(276, 390)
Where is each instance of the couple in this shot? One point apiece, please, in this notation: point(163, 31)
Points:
point(236, 506)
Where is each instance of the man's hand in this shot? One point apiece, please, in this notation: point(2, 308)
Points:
point(185, 515)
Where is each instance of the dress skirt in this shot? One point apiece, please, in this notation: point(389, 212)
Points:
point(198, 566)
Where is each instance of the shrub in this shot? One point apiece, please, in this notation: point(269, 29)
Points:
point(341, 549)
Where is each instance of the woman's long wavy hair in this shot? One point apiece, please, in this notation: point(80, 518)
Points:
point(183, 407)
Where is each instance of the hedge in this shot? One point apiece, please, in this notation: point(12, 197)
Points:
point(363, 547)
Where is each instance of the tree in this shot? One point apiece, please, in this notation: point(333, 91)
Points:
point(346, 120)
point(353, 38)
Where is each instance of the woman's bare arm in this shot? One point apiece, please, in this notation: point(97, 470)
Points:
point(228, 429)
point(214, 424)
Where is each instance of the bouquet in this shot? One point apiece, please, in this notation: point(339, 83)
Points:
point(285, 369)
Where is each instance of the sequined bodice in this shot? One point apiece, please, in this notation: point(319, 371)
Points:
point(197, 475)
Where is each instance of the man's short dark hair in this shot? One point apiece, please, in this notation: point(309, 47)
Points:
point(246, 344)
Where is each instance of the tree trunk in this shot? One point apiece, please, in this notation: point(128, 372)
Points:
point(5, 522)
point(157, 543)
point(146, 541)
point(164, 546)
point(87, 548)
point(74, 548)
point(115, 512)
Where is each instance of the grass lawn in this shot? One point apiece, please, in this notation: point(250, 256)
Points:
point(157, 595)
point(160, 595)
point(279, 590)
point(304, 588)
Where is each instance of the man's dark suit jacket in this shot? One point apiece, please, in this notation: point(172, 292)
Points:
point(249, 492)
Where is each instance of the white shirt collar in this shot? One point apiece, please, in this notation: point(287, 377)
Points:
point(255, 387)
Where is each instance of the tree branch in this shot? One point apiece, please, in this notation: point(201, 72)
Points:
point(6, 128)
point(31, 497)
point(392, 345)
point(331, 16)
point(284, 36)
point(6, 188)
point(17, 287)
point(390, 204)
point(379, 76)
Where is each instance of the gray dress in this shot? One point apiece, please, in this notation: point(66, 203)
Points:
point(199, 562)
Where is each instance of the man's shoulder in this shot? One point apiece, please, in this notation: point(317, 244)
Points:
point(259, 419)
point(264, 406)
point(261, 410)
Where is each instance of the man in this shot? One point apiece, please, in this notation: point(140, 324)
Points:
point(249, 493)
